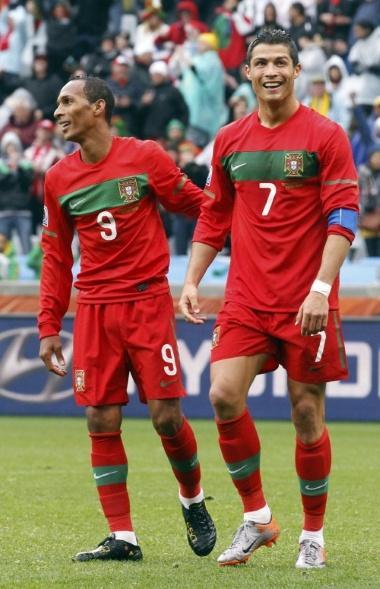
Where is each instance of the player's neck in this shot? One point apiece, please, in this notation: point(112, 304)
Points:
point(95, 147)
point(272, 114)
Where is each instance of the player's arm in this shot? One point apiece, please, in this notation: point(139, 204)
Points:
point(213, 225)
point(201, 257)
point(340, 204)
point(56, 280)
point(313, 313)
point(171, 186)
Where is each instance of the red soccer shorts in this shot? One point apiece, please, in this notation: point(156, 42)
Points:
point(114, 340)
point(241, 331)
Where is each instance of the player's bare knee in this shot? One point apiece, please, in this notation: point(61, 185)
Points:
point(223, 403)
point(103, 419)
point(306, 415)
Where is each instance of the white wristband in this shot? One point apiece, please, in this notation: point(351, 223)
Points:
point(321, 287)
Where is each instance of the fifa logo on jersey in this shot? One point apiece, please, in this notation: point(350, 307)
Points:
point(45, 220)
point(79, 381)
point(293, 164)
point(129, 190)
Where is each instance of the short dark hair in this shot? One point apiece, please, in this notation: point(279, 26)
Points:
point(96, 89)
point(274, 37)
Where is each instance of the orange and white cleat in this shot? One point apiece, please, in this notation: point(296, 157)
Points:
point(248, 538)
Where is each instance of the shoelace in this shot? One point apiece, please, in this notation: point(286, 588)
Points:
point(311, 552)
point(200, 516)
point(240, 532)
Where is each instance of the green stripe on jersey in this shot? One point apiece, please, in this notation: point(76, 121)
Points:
point(242, 469)
point(185, 465)
point(110, 475)
point(314, 487)
point(271, 165)
point(111, 193)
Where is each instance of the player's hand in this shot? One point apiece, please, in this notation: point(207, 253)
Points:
point(313, 314)
point(189, 306)
point(51, 350)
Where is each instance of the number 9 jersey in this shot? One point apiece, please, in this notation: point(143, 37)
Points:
point(114, 207)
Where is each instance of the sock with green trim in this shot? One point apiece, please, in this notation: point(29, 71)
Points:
point(240, 446)
point(313, 464)
point(110, 468)
point(181, 450)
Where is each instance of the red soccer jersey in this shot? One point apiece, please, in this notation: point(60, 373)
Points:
point(113, 205)
point(273, 189)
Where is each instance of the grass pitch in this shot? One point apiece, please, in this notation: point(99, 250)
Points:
point(49, 510)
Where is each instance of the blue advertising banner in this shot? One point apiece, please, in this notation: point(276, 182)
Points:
point(26, 388)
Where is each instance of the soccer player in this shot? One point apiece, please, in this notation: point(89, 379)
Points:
point(284, 184)
point(108, 191)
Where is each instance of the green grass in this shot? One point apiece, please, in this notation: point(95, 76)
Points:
point(49, 510)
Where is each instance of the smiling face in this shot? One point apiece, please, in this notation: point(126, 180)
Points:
point(75, 115)
point(272, 73)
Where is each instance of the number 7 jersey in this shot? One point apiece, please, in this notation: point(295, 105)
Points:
point(273, 189)
point(113, 206)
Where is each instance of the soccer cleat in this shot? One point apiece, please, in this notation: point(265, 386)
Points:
point(248, 538)
point(201, 532)
point(111, 549)
point(311, 555)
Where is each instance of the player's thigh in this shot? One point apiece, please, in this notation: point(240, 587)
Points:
point(100, 371)
point(153, 350)
point(313, 359)
point(231, 378)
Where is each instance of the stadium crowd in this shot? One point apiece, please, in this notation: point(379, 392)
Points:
point(176, 69)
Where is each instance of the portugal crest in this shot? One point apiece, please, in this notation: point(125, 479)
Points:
point(129, 190)
point(293, 166)
point(79, 381)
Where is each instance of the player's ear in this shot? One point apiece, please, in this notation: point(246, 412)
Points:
point(99, 106)
point(247, 71)
point(297, 70)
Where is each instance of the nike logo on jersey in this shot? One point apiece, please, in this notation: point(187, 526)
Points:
point(309, 488)
point(233, 168)
point(76, 203)
point(106, 474)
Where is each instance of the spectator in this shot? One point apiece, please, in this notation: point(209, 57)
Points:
point(312, 59)
point(151, 27)
point(366, 130)
point(188, 20)
point(202, 86)
point(369, 185)
point(9, 268)
point(320, 100)
point(36, 38)
point(339, 86)
point(161, 103)
point(42, 154)
point(62, 36)
point(364, 58)
point(16, 175)
point(175, 133)
point(270, 18)
point(21, 116)
point(12, 40)
point(99, 62)
point(243, 90)
point(127, 90)
point(183, 227)
point(43, 86)
point(92, 21)
point(143, 60)
point(231, 26)
point(300, 23)
point(334, 19)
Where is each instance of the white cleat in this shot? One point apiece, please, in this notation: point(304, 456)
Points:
point(311, 555)
point(248, 538)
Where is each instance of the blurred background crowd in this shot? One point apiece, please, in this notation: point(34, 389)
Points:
point(176, 69)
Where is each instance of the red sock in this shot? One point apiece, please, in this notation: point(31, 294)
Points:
point(313, 464)
point(181, 450)
point(240, 446)
point(110, 468)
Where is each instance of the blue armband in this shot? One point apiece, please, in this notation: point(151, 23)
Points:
point(347, 218)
